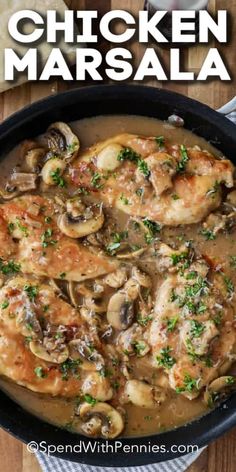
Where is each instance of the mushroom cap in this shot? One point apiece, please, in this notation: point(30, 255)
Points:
point(79, 227)
point(62, 140)
point(120, 312)
point(219, 389)
point(112, 421)
point(56, 357)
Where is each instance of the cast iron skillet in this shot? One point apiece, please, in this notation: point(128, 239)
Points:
point(100, 100)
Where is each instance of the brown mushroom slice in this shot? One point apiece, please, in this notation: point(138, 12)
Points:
point(90, 360)
point(34, 158)
point(120, 311)
point(9, 194)
point(82, 225)
point(142, 278)
point(131, 254)
point(116, 279)
point(112, 423)
point(143, 394)
point(96, 307)
point(24, 181)
point(61, 140)
point(56, 357)
point(219, 390)
point(73, 296)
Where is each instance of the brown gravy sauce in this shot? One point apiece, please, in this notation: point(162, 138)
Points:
point(178, 410)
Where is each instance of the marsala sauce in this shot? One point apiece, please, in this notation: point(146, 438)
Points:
point(178, 410)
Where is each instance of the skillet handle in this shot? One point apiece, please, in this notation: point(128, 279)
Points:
point(228, 107)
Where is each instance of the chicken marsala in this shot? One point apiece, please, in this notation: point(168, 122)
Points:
point(118, 265)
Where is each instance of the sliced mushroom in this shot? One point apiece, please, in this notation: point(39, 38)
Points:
point(116, 279)
point(143, 394)
point(23, 181)
point(112, 423)
point(73, 295)
point(97, 386)
point(34, 159)
point(107, 157)
point(61, 140)
point(143, 279)
point(120, 311)
point(219, 390)
point(53, 170)
point(96, 307)
point(89, 222)
point(57, 289)
point(9, 193)
point(91, 360)
point(131, 341)
point(131, 254)
point(56, 357)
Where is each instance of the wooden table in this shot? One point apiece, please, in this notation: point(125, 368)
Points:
point(220, 455)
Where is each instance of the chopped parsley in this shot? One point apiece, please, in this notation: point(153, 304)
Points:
point(208, 234)
point(124, 199)
point(70, 366)
point(174, 196)
point(117, 239)
point(89, 399)
point(143, 167)
point(165, 359)
point(229, 285)
point(139, 347)
point(189, 385)
point(57, 178)
point(128, 154)
point(177, 258)
point(153, 229)
point(96, 180)
point(230, 380)
point(32, 291)
point(11, 227)
point(39, 372)
point(181, 166)
point(197, 329)
point(46, 238)
point(9, 267)
point(171, 323)
point(5, 304)
point(62, 275)
point(144, 320)
point(160, 140)
point(22, 228)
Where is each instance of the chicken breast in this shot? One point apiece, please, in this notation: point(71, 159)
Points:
point(192, 334)
point(167, 183)
point(36, 328)
point(41, 248)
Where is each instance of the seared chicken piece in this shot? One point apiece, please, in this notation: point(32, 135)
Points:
point(171, 185)
point(36, 332)
point(43, 249)
point(192, 334)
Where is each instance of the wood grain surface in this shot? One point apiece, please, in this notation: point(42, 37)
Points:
point(220, 456)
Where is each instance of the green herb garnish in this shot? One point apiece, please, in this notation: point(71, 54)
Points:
point(165, 359)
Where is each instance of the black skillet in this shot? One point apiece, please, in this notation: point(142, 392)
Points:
point(101, 100)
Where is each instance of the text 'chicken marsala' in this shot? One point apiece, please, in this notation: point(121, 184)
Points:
point(117, 276)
